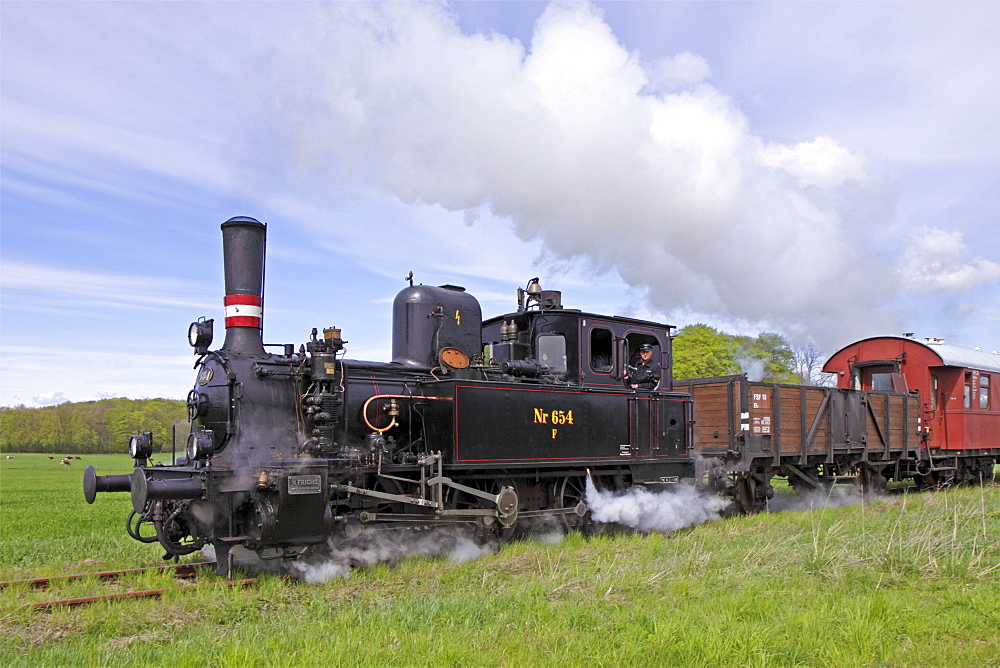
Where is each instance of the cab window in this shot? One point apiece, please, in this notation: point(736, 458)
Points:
point(601, 349)
point(552, 352)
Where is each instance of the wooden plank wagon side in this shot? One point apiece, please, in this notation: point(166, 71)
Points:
point(745, 432)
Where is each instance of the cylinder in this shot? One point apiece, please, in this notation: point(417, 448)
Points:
point(145, 490)
point(243, 242)
point(93, 483)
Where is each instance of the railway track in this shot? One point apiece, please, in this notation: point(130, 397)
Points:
point(185, 572)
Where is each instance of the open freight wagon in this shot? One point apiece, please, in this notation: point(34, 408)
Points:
point(745, 432)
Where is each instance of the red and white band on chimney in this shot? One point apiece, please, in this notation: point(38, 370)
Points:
point(244, 311)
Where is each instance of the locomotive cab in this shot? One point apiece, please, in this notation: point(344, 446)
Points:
point(573, 347)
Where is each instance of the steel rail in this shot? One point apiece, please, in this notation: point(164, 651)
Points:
point(182, 571)
point(132, 594)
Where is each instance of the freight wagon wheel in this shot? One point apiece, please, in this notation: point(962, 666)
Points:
point(570, 492)
point(750, 494)
point(871, 481)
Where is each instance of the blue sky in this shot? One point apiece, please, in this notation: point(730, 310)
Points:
point(826, 170)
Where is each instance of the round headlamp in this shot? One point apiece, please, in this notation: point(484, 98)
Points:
point(200, 335)
point(200, 444)
point(140, 446)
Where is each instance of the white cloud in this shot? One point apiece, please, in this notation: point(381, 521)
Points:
point(76, 288)
point(50, 398)
point(675, 72)
point(937, 261)
point(132, 373)
point(820, 162)
point(674, 191)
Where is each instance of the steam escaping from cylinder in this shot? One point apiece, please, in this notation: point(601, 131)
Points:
point(243, 241)
point(374, 547)
point(647, 511)
point(836, 496)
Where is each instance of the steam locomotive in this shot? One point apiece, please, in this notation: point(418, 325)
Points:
point(487, 424)
point(481, 423)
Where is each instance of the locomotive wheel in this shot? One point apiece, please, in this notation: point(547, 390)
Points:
point(570, 492)
point(611, 484)
point(389, 487)
point(491, 528)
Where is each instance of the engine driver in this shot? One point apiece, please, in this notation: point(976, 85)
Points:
point(645, 375)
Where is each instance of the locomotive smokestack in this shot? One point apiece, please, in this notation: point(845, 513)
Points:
point(243, 242)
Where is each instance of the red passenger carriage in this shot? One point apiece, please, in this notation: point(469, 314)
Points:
point(959, 390)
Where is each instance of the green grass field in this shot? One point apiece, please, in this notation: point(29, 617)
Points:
point(911, 579)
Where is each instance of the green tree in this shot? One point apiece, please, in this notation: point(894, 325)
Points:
point(88, 427)
point(701, 351)
point(767, 358)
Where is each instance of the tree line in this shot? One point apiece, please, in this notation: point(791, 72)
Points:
point(92, 426)
point(701, 351)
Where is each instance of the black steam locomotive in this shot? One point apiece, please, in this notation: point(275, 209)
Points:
point(482, 423)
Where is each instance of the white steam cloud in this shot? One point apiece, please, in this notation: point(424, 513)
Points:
point(638, 508)
point(374, 547)
point(642, 168)
point(836, 496)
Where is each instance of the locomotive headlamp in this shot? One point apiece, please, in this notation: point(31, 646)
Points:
point(200, 335)
point(200, 444)
point(140, 446)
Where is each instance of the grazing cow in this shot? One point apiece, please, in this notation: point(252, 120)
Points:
point(65, 462)
point(51, 457)
point(10, 456)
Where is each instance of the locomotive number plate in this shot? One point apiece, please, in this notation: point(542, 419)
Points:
point(305, 484)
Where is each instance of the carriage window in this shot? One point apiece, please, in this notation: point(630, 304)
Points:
point(552, 352)
point(984, 392)
point(934, 392)
point(967, 395)
point(601, 346)
point(875, 376)
point(881, 381)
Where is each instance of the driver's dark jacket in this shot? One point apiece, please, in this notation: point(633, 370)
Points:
point(646, 376)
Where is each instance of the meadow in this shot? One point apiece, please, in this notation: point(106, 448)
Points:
point(906, 579)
